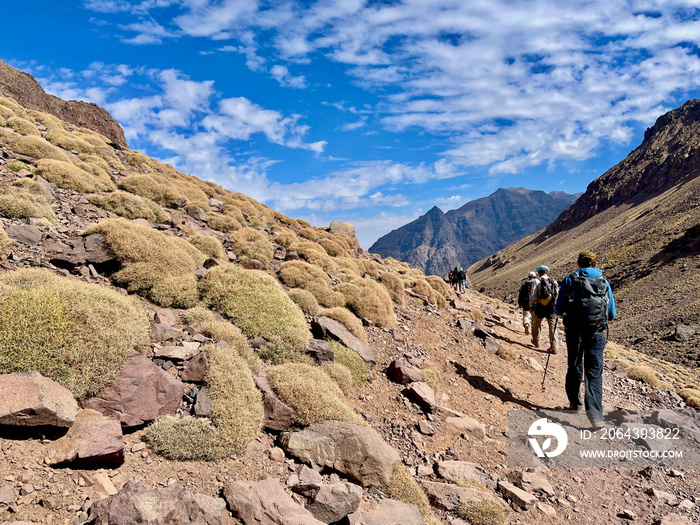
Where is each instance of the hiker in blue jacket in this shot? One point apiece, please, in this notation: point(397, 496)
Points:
point(586, 304)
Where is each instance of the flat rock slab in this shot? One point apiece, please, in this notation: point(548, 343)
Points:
point(521, 498)
point(183, 352)
point(388, 512)
point(333, 502)
point(278, 415)
point(323, 327)
point(468, 424)
point(402, 372)
point(422, 394)
point(92, 440)
point(141, 393)
point(265, 503)
point(357, 452)
point(455, 471)
point(30, 399)
point(447, 496)
point(26, 234)
point(136, 503)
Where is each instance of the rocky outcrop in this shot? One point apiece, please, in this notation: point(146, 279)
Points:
point(136, 503)
point(438, 242)
point(30, 399)
point(92, 440)
point(357, 452)
point(26, 90)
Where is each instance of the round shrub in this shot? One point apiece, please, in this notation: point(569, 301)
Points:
point(5, 243)
point(250, 243)
point(308, 233)
point(304, 300)
point(314, 254)
point(404, 488)
point(259, 306)
point(38, 148)
point(648, 375)
point(222, 223)
point(370, 300)
point(76, 333)
point(184, 439)
point(68, 175)
point(394, 285)
point(300, 274)
point(352, 361)
point(340, 374)
point(23, 126)
point(130, 206)
point(69, 141)
point(154, 264)
point(348, 320)
point(28, 200)
point(209, 246)
point(484, 511)
point(311, 392)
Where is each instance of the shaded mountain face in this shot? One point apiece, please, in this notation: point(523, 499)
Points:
point(439, 241)
point(642, 218)
point(26, 90)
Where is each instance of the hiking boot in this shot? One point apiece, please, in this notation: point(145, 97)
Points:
point(578, 409)
point(597, 424)
point(527, 329)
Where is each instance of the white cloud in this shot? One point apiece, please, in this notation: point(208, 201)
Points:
point(282, 75)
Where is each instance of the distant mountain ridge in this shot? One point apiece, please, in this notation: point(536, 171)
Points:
point(437, 241)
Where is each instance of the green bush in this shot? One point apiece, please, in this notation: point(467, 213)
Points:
point(154, 264)
point(304, 300)
point(209, 246)
point(250, 243)
point(311, 392)
point(76, 333)
point(347, 357)
point(258, 305)
point(130, 206)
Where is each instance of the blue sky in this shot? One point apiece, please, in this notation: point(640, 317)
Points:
point(369, 111)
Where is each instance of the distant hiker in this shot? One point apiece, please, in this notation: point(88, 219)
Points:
point(525, 300)
point(586, 303)
point(454, 278)
point(461, 280)
point(544, 297)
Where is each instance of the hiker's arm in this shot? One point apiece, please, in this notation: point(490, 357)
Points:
point(612, 311)
point(563, 292)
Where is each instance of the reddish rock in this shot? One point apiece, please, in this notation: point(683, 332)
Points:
point(164, 332)
point(30, 399)
point(25, 234)
point(388, 512)
point(92, 440)
point(323, 327)
point(136, 503)
point(320, 351)
point(196, 369)
point(68, 254)
point(400, 371)
point(141, 393)
point(265, 502)
point(97, 251)
point(278, 415)
point(422, 394)
point(251, 264)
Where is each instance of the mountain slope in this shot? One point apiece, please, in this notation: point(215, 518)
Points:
point(437, 241)
point(643, 220)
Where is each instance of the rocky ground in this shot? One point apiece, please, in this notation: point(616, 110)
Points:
point(473, 383)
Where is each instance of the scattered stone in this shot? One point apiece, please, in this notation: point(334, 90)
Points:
point(323, 327)
point(333, 502)
point(265, 502)
point(355, 451)
point(97, 250)
point(30, 399)
point(102, 483)
point(403, 373)
point(388, 512)
point(628, 514)
point(425, 428)
point(468, 424)
point(26, 234)
point(446, 496)
point(683, 332)
point(320, 351)
point(491, 344)
point(522, 499)
point(278, 415)
point(202, 406)
point(660, 495)
point(136, 503)
point(532, 481)
point(164, 332)
point(454, 471)
point(68, 254)
point(141, 393)
point(165, 316)
point(7, 495)
point(92, 440)
point(196, 369)
point(197, 213)
point(545, 509)
point(251, 264)
point(673, 519)
point(422, 394)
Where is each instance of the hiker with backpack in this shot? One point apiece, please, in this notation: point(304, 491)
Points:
point(544, 297)
point(454, 278)
point(525, 300)
point(586, 304)
point(461, 280)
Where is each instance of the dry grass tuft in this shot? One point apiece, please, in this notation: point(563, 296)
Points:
point(22, 126)
point(507, 352)
point(130, 206)
point(209, 246)
point(357, 366)
point(222, 223)
point(13, 107)
point(67, 175)
point(431, 375)
point(252, 244)
point(5, 243)
point(300, 274)
point(26, 200)
point(186, 439)
point(46, 119)
point(32, 146)
point(308, 233)
point(259, 306)
point(311, 392)
point(347, 319)
point(404, 488)
point(76, 333)
point(471, 483)
point(369, 299)
point(474, 314)
point(691, 396)
point(340, 374)
point(333, 248)
point(221, 330)
point(648, 375)
point(154, 264)
point(394, 285)
point(285, 237)
point(166, 191)
point(69, 141)
point(314, 254)
point(484, 511)
point(304, 300)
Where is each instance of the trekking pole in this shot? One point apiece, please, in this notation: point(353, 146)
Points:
point(546, 367)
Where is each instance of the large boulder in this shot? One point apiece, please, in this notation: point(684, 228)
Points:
point(323, 327)
point(92, 440)
point(346, 229)
point(357, 452)
point(331, 503)
point(30, 399)
point(388, 512)
point(265, 503)
point(136, 503)
point(141, 393)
